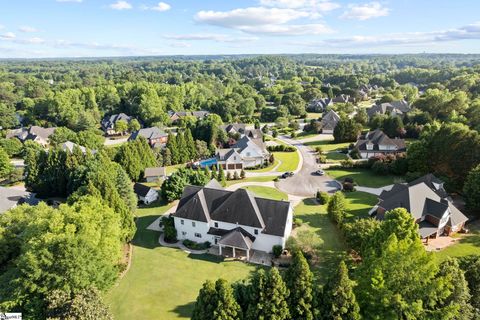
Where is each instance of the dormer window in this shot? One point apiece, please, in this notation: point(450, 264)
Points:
point(255, 231)
point(216, 224)
point(369, 146)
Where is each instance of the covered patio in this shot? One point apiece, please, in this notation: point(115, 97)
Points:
point(236, 243)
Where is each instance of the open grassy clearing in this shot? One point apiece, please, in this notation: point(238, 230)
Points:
point(252, 179)
point(327, 145)
point(468, 244)
point(266, 169)
point(267, 192)
point(363, 177)
point(163, 283)
point(289, 160)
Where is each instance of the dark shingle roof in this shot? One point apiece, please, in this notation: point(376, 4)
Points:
point(148, 133)
point(141, 189)
point(109, 121)
point(377, 138)
point(239, 206)
point(238, 238)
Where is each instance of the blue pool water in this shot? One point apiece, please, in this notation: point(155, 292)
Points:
point(208, 162)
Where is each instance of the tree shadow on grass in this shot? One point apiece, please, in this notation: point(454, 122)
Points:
point(185, 310)
point(143, 237)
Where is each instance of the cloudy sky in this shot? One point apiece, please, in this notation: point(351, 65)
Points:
point(92, 28)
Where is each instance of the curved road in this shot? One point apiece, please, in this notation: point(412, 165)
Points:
point(305, 183)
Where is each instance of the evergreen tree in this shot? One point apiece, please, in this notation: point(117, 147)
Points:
point(183, 152)
point(235, 175)
point(299, 282)
point(167, 157)
point(221, 176)
point(268, 298)
point(172, 146)
point(471, 266)
point(337, 207)
point(226, 307)
point(190, 144)
point(206, 302)
point(339, 299)
point(471, 189)
point(214, 174)
point(5, 166)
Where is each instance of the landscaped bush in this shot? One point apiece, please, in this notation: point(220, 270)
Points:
point(281, 148)
point(322, 197)
point(277, 250)
point(348, 186)
point(196, 245)
point(349, 179)
point(347, 163)
point(381, 168)
point(355, 153)
point(276, 179)
point(169, 231)
point(322, 159)
point(297, 222)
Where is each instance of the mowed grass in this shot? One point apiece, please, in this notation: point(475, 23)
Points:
point(163, 283)
point(327, 145)
point(266, 169)
point(335, 156)
point(315, 218)
point(468, 244)
point(267, 192)
point(363, 177)
point(252, 179)
point(289, 160)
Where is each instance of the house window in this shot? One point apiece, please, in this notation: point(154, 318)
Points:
point(248, 154)
point(193, 223)
point(184, 233)
point(255, 231)
point(182, 222)
point(198, 235)
point(216, 224)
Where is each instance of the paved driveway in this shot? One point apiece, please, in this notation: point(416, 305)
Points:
point(305, 183)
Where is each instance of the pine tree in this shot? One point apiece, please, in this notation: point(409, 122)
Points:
point(221, 176)
point(337, 207)
point(206, 302)
point(226, 306)
point(5, 166)
point(340, 302)
point(167, 157)
point(268, 299)
point(242, 174)
point(299, 282)
point(172, 146)
point(183, 153)
point(213, 174)
point(190, 144)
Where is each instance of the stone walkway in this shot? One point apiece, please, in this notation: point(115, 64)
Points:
point(179, 245)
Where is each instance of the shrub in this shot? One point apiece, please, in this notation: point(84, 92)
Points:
point(242, 174)
point(235, 175)
point(196, 245)
point(293, 134)
point(297, 222)
point(337, 207)
point(319, 150)
point(322, 159)
point(276, 179)
point(381, 168)
point(347, 163)
point(229, 175)
point(348, 179)
point(169, 231)
point(277, 250)
point(281, 148)
point(355, 153)
point(322, 197)
point(348, 186)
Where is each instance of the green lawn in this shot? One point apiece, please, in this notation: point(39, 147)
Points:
point(266, 169)
point(267, 192)
point(327, 145)
point(467, 244)
point(172, 169)
point(335, 156)
point(251, 179)
point(162, 283)
point(289, 160)
point(363, 177)
point(304, 135)
point(315, 217)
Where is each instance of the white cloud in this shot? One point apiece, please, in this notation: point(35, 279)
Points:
point(468, 32)
point(290, 29)
point(161, 6)
point(77, 1)
point(7, 36)
point(35, 40)
point(209, 37)
point(121, 5)
point(27, 29)
point(365, 11)
point(180, 45)
point(2, 27)
point(322, 5)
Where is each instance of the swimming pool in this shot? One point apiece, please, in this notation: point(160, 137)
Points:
point(208, 162)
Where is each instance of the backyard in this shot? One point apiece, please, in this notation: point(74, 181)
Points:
point(267, 192)
point(467, 244)
point(162, 283)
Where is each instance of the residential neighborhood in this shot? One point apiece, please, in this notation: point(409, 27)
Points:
point(222, 160)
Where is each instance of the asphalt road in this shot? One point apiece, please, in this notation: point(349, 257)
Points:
point(305, 182)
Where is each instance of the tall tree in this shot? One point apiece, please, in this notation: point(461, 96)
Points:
point(471, 190)
point(298, 280)
point(226, 306)
point(183, 151)
point(336, 208)
point(339, 299)
point(5, 166)
point(172, 146)
point(206, 302)
point(190, 145)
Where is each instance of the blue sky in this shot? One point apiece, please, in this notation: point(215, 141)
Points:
point(93, 28)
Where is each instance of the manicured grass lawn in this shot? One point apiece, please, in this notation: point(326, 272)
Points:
point(289, 160)
point(252, 179)
point(327, 145)
point(267, 192)
point(315, 218)
point(172, 169)
point(467, 245)
point(163, 283)
point(363, 177)
point(304, 135)
point(336, 156)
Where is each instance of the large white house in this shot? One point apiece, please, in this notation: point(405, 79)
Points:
point(248, 152)
point(235, 221)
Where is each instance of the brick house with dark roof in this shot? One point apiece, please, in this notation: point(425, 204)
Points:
point(232, 220)
point(376, 143)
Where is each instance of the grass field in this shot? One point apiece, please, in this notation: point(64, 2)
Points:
point(335, 156)
point(252, 179)
point(327, 145)
point(172, 169)
point(289, 160)
point(467, 244)
point(266, 169)
point(363, 177)
point(267, 192)
point(162, 283)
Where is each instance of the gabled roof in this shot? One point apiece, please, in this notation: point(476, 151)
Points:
point(236, 127)
point(432, 182)
point(31, 133)
point(330, 120)
point(148, 133)
point(224, 154)
point(398, 107)
point(379, 138)
point(246, 142)
point(69, 146)
point(320, 104)
point(239, 206)
point(141, 189)
point(238, 238)
point(109, 121)
point(214, 184)
point(155, 172)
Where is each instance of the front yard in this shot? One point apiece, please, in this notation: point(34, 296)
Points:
point(363, 177)
point(163, 283)
point(289, 160)
point(267, 192)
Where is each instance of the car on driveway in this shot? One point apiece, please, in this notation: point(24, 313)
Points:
point(287, 174)
point(320, 172)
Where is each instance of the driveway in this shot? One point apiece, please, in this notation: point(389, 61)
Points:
point(305, 183)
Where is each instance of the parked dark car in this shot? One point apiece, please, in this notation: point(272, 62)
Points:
point(287, 174)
